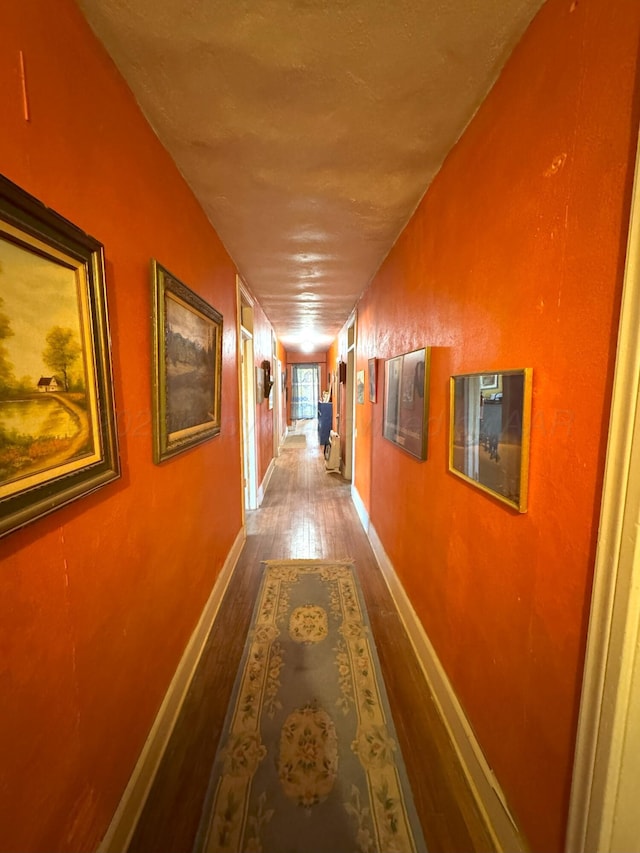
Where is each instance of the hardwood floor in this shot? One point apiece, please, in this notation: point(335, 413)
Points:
point(308, 512)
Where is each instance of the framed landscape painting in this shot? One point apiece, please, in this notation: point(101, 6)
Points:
point(360, 387)
point(372, 367)
point(259, 385)
point(488, 380)
point(490, 433)
point(187, 366)
point(58, 437)
point(406, 401)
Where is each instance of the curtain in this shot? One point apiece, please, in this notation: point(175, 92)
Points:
point(305, 391)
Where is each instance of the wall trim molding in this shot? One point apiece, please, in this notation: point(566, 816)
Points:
point(125, 818)
point(361, 509)
point(482, 780)
point(603, 811)
point(265, 482)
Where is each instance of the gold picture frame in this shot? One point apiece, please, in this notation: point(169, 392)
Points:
point(187, 366)
point(406, 401)
point(58, 439)
point(490, 433)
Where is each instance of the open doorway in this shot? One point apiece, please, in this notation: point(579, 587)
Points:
point(305, 391)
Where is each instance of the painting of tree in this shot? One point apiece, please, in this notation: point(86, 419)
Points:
point(187, 366)
point(62, 352)
point(40, 430)
point(6, 367)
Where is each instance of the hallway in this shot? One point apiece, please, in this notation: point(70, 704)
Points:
point(308, 513)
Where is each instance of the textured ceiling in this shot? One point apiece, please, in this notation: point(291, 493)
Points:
point(309, 130)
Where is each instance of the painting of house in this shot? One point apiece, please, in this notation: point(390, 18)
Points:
point(48, 383)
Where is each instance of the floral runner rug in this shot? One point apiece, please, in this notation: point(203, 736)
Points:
point(308, 760)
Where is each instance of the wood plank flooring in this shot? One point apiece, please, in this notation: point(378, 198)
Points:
point(308, 513)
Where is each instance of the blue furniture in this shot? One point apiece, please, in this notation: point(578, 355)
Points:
point(325, 421)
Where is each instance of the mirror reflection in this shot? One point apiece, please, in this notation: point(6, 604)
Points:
point(490, 432)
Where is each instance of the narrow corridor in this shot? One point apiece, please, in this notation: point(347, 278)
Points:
point(308, 513)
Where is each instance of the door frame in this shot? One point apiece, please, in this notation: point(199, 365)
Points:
point(246, 379)
point(277, 396)
point(349, 438)
point(604, 813)
point(280, 413)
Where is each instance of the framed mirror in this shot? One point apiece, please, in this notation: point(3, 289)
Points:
point(490, 433)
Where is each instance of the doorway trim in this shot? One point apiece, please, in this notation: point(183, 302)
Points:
point(349, 425)
point(246, 380)
point(277, 396)
point(603, 813)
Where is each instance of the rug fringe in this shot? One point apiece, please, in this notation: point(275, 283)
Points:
point(345, 561)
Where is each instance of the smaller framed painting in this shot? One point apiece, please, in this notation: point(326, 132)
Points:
point(259, 385)
point(489, 380)
point(372, 366)
point(187, 366)
point(360, 387)
point(58, 437)
point(490, 433)
point(406, 401)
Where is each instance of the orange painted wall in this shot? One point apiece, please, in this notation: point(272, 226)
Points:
point(367, 347)
point(515, 258)
point(98, 601)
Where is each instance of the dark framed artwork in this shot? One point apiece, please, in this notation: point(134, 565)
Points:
point(268, 382)
point(58, 438)
point(490, 433)
point(187, 366)
point(372, 366)
point(406, 401)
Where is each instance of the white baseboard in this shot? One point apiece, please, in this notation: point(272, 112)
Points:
point(264, 484)
point(484, 785)
point(361, 509)
point(124, 821)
